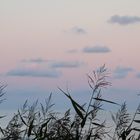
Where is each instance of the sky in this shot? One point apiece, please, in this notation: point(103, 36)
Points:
point(46, 44)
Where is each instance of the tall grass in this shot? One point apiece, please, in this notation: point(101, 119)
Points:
point(41, 122)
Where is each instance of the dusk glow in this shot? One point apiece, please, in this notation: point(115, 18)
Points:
point(55, 43)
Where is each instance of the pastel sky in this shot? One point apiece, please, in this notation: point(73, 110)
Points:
point(49, 43)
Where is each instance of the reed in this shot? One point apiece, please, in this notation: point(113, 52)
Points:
point(41, 122)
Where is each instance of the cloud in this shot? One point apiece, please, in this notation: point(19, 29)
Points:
point(124, 20)
point(65, 64)
point(72, 51)
point(34, 71)
point(138, 75)
point(122, 72)
point(96, 49)
point(39, 68)
point(36, 60)
point(76, 30)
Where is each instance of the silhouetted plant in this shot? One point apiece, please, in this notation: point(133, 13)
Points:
point(40, 122)
point(88, 116)
point(125, 125)
point(13, 129)
point(2, 87)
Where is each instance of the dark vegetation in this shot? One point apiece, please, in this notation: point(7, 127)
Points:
point(40, 122)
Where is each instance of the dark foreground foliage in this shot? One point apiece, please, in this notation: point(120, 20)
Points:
point(40, 122)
